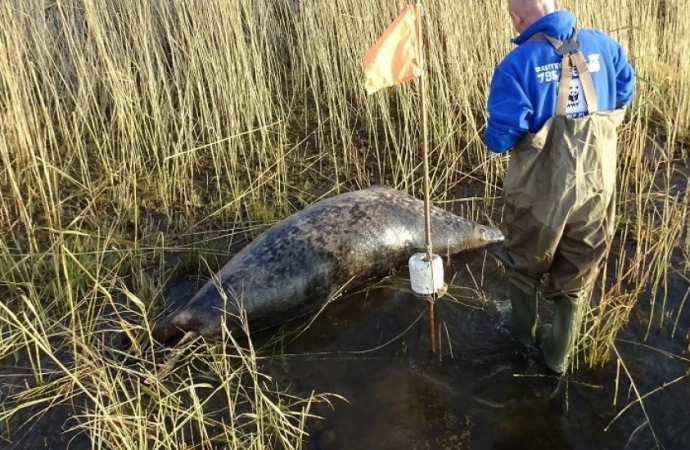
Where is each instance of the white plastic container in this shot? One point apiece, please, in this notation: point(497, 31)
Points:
point(426, 277)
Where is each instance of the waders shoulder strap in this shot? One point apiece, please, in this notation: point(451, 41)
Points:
point(571, 56)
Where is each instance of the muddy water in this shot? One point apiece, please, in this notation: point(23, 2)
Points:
point(483, 392)
point(486, 391)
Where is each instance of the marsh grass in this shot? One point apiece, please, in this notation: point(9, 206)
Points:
point(130, 131)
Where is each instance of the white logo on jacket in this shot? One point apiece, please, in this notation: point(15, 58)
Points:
point(547, 73)
point(577, 106)
point(550, 73)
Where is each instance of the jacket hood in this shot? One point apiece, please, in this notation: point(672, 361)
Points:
point(558, 24)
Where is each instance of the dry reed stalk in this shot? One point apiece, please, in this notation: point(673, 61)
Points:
point(132, 129)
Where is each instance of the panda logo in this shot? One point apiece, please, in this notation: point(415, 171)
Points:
point(574, 95)
point(576, 106)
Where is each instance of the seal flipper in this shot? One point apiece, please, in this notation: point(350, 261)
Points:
point(165, 330)
point(169, 364)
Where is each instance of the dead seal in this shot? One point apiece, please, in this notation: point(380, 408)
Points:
point(295, 266)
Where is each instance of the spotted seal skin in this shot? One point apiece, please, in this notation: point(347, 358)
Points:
point(296, 265)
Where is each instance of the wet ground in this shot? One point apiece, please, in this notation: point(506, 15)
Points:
point(484, 393)
point(481, 391)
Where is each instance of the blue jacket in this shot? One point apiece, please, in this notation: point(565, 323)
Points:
point(524, 87)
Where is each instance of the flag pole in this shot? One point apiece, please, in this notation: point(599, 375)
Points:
point(391, 61)
point(425, 157)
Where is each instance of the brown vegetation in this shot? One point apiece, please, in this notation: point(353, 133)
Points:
point(130, 130)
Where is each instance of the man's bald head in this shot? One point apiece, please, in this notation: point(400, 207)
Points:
point(524, 13)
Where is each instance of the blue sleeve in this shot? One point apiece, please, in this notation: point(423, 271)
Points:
point(509, 111)
point(625, 80)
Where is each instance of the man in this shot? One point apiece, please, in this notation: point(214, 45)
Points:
point(555, 102)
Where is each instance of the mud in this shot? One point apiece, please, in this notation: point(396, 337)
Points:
point(484, 392)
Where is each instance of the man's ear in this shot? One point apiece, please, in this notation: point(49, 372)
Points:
point(556, 5)
point(517, 20)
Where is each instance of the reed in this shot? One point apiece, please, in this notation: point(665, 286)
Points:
point(133, 130)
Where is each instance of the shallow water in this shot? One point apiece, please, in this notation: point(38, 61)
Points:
point(486, 391)
point(482, 390)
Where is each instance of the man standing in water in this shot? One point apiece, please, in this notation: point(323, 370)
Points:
point(556, 102)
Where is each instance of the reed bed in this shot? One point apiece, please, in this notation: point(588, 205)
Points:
point(130, 131)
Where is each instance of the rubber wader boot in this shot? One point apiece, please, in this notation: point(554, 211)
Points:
point(524, 305)
point(557, 340)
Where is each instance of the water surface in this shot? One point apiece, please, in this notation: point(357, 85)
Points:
point(485, 391)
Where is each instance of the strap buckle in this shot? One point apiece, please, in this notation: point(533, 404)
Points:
point(568, 48)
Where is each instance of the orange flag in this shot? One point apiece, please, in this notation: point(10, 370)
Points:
point(395, 58)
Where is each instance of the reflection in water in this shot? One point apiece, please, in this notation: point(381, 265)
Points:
point(486, 391)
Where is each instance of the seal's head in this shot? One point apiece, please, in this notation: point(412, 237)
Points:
point(490, 234)
point(491, 237)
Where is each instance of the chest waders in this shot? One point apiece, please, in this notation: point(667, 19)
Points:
point(559, 194)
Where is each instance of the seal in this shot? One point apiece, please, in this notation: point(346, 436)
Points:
point(298, 264)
